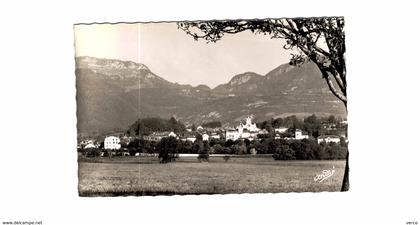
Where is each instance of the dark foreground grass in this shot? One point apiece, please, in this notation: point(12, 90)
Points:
point(145, 176)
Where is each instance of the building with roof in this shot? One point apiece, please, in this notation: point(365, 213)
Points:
point(280, 130)
point(328, 139)
point(112, 142)
point(247, 130)
point(248, 125)
point(90, 145)
point(192, 139)
point(299, 134)
point(215, 136)
point(232, 134)
point(157, 136)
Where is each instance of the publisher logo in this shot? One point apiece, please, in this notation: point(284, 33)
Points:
point(324, 175)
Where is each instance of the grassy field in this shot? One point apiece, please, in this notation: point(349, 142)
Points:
point(145, 176)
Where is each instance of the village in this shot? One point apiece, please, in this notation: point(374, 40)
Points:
point(248, 137)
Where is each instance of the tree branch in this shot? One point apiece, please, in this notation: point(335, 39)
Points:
point(334, 90)
point(301, 33)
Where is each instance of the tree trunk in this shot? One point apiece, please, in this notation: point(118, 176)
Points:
point(343, 97)
point(346, 185)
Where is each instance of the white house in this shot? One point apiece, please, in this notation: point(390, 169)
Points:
point(90, 145)
point(112, 142)
point(328, 139)
point(87, 142)
point(205, 137)
point(214, 136)
point(280, 130)
point(299, 134)
point(192, 139)
point(232, 135)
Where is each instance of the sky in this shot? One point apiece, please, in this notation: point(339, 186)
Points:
point(175, 56)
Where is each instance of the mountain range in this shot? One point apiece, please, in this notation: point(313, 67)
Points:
point(112, 94)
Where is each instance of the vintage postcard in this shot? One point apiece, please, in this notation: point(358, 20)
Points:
point(211, 107)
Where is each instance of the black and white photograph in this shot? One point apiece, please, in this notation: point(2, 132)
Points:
point(212, 107)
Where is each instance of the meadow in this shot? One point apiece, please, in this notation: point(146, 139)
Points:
point(123, 176)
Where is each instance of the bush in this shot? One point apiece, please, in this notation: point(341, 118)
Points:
point(218, 149)
point(167, 150)
point(203, 153)
point(107, 153)
point(185, 147)
point(335, 151)
point(92, 152)
point(197, 146)
point(319, 152)
point(227, 151)
point(284, 152)
point(132, 151)
point(229, 143)
point(238, 149)
point(263, 146)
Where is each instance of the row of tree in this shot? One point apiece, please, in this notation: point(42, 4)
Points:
point(282, 149)
point(315, 126)
point(146, 126)
point(212, 124)
point(308, 150)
